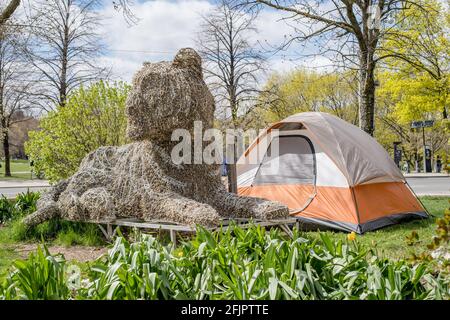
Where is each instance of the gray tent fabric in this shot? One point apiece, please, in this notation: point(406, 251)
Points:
point(288, 160)
point(348, 146)
point(312, 224)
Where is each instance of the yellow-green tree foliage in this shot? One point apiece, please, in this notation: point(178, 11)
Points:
point(415, 82)
point(416, 96)
point(93, 117)
point(418, 66)
point(302, 90)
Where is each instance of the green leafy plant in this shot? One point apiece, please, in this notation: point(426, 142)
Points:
point(6, 209)
point(41, 276)
point(439, 247)
point(63, 232)
point(25, 203)
point(256, 264)
point(252, 264)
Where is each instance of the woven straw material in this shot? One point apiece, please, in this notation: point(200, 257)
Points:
point(140, 179)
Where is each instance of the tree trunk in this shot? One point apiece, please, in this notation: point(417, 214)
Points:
point(231, 168)
point(367, 94)
point(64, 64)
point(6, 153)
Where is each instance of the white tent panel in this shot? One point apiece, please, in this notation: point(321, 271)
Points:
point(249, 162)
point(288, 160)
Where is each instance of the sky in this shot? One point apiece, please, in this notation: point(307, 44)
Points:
point(165, 26)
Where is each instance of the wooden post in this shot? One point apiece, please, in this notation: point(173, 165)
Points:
point(286, 229)
point(231, 167)
point(173, 237)
point(109, 231)
point(103, 231)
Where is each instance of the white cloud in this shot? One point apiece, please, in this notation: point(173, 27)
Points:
point(282, 65)
point(165, 26)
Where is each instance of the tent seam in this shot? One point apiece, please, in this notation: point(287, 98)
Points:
point(339, 148)
point(356, 205)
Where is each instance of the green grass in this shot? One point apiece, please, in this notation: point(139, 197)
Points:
point(20, 169)
point(17, 165)
point(391, 241)
point(53, 232)
point(7, 254)
point(89, 236)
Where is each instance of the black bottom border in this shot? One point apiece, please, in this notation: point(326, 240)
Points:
point(180, 310)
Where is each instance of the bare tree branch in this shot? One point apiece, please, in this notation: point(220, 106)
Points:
point(232, 65)
point(8, 11)
point(349, 29)
point(64, 46)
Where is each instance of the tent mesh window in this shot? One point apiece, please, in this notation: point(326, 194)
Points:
point(288, 160)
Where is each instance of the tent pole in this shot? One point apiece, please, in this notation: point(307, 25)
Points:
point(421, 203)
point(356, 206)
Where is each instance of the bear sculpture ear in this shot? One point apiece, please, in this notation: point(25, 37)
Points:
point(188, 58)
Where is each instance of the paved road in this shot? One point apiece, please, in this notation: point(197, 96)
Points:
point(438, 186)
point(13, 191)
point(430, 185)
point(11, 187)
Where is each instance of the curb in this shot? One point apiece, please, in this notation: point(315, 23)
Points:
point(415, 175)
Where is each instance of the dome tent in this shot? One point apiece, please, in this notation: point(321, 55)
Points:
point(328, 172)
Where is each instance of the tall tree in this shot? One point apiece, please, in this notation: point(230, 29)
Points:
point(419, 60)
point(14, 89)
point(64, 47)
point(394, 118)
point(304, 90)
point(125, 7)
point(231, 65)
point(355, 27)
point(23, 123)
point(416, 82)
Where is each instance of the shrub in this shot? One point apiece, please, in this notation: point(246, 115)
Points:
point(92, 117)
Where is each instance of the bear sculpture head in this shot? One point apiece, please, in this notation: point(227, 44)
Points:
point(168, 95)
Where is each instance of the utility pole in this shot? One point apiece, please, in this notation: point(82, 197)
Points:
point(424, 151)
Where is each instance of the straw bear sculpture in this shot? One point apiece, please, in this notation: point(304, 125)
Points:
point(139, 179)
